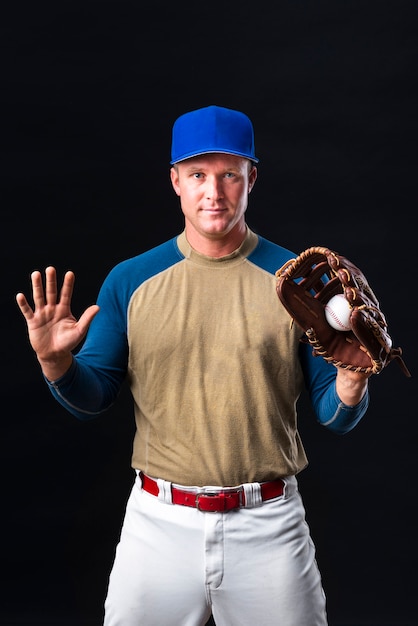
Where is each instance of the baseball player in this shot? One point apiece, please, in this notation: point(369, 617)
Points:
point(214, 524)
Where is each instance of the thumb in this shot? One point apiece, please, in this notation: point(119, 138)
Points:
point(87, 317)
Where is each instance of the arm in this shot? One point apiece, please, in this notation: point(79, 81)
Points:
point(340, 398)
point(88, 382)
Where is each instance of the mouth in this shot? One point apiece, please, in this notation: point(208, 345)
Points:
point(214, 209)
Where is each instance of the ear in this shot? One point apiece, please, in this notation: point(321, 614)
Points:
point(174, 175)
point(252, 178)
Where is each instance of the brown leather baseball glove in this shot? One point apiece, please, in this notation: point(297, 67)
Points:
point(305, 285)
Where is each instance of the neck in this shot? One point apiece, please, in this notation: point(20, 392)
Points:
point(216, 246)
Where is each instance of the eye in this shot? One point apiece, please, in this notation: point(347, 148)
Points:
point(229, 175)
point(197, 175)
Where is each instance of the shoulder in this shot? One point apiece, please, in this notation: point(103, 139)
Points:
point(129, 274)
point(148, 263)
point(270, 256)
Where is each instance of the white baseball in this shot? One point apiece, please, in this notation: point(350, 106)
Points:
point(337, 313)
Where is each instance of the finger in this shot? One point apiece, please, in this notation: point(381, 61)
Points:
point(67, 288)
point(37, 290)
point(51, 285)
point(24, 306)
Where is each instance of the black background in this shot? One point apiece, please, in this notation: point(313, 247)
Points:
point(90, 90)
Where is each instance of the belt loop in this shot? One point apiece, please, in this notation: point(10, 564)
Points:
point(164, 492)
point(289, 486)
point(252, 493)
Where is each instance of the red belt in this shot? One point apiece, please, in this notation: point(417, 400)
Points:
point(213, 500)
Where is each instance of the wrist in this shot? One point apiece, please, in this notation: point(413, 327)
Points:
point(54, 368)
point(351, 386)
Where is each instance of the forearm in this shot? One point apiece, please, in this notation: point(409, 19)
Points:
point(86, 391)
point(347, 401)
point(340, 398)
point(339, 417)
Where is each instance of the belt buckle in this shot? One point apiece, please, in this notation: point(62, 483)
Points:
point(221, 494)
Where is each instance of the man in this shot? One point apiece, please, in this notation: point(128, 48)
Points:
point(214, 522)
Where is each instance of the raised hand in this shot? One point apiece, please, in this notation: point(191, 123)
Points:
point(53, 330)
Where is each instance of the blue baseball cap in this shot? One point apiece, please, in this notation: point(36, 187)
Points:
point(212, 129)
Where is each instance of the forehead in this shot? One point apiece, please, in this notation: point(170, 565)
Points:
point(215, 160)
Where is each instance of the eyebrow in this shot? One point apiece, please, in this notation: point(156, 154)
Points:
point(199, 167)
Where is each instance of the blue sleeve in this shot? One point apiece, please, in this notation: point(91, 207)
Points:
point(83, 392)
point(320, 379)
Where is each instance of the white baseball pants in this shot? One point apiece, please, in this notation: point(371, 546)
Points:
point(250, 567)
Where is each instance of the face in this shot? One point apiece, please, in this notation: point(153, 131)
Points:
point(213, 191)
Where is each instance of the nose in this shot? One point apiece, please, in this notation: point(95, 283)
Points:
point(214, 188)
